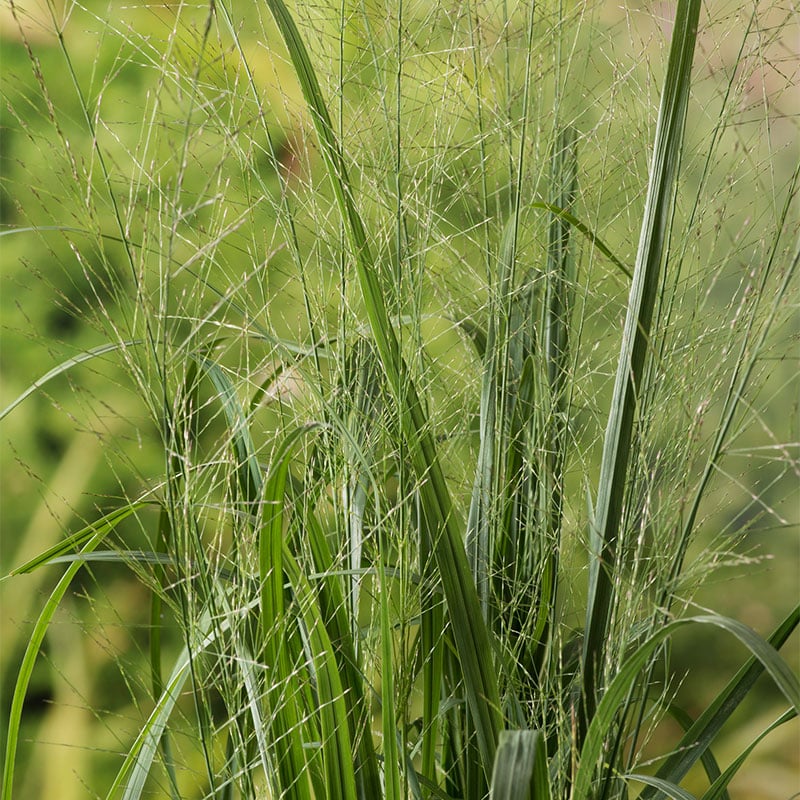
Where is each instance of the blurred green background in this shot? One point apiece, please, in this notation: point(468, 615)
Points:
point(86, 438)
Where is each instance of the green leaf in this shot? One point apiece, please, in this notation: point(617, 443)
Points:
point(65, 366)
point(699, 736)
point(625, 678)
point(707, 757)
point(584, 229)
point(520, 769)
point(90, 538)
point(469, 631)
point(330, 593)
point(282, 698)
point(669, 789)
point(717, 790)
point(631, 366)
point(336, 745)
point(69, 545)
point(250, 480)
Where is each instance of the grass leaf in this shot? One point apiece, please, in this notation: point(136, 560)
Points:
point(633, 351)
point(614, 696)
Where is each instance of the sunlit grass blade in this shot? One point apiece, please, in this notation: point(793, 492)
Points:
point(470, 634)
point(139, 759)
point(619, 434)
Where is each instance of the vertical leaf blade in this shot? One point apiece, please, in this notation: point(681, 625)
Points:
point(635, 343)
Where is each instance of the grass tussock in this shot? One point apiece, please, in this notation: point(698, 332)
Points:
point(424, 344)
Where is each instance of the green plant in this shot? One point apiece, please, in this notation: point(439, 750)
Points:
point(376, 500)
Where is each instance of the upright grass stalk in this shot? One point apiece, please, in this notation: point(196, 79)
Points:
point(618, 443)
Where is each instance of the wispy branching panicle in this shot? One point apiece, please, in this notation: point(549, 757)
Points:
point(393, 387)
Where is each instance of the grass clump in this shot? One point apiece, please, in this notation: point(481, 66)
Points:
point(438, 366)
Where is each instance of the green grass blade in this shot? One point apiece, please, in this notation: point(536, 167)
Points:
point(607, 709)
point(250, 480)
point(154, 635)
point(331, 594)
point(69, 545)
point(665, 787)
point(391, 761)
point(699, 736)
point(282, 698)
point(432, 648)
point(520, 769)
point(470, 634)
point(97, 532)
point(65, 366)
point(707, 757)
point(635, 342)
point(140, 756)
point(271, 536)
point(139, 759)
point(336, 744)
point(586, 231)
point(717, 790)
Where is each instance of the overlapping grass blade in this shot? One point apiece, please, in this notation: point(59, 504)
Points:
point(391, 761)
point(619, 435)
point(330, 597)
point(618, 688)
point(707, 758)
point(699, 736)
point(520, 770)
point(470, 634)
point(335, 743)
point(283, 699)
